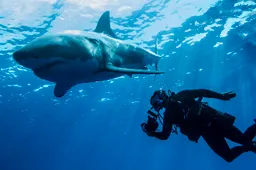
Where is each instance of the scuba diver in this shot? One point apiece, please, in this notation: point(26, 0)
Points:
point(195, 118)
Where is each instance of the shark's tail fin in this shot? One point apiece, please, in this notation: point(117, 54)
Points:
point(156, 51)
point(156, 45)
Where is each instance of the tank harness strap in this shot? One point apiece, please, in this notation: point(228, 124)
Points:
point(200, 105)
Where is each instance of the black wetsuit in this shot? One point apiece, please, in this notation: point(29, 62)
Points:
point(211, 124)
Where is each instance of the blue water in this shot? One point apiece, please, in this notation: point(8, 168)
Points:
point(204, 44)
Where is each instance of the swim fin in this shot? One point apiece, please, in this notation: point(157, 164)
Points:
point(253, 147)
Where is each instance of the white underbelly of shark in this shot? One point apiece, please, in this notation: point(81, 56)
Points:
point(69, 71)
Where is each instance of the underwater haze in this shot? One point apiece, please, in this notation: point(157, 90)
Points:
point(96, 126)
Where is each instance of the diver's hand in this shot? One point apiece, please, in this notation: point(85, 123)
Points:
point(228, 95)
point(145, 130)
point(151, 134)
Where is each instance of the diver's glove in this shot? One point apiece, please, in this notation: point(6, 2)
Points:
point(150, 127)
point(228, 95)
point(146, 130)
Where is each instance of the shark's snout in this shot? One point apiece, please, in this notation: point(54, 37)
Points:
point(20, 55)
point(23, 58)
point(29, 59)
point(33, 60)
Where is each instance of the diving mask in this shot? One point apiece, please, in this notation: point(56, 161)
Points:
point(157, 100)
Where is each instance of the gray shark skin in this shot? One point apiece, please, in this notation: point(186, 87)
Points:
point(68, 59)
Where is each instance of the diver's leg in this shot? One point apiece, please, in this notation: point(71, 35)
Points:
point(250, 132)
point(219, 145)
point(245, 139)
point(235, 135)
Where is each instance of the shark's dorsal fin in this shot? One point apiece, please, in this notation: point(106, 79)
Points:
point(103, 25)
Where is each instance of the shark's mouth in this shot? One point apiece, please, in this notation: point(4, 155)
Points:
point(47, 66)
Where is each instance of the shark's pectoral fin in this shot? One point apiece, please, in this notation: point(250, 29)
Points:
point(61, 89)
point(130, 71)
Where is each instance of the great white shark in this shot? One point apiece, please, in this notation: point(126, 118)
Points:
point(68, 59)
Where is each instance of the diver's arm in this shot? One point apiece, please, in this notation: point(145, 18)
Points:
point(185, 94)
point(164, 134)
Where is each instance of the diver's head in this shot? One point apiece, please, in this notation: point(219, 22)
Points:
point(151, 125)
point(159, 100)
